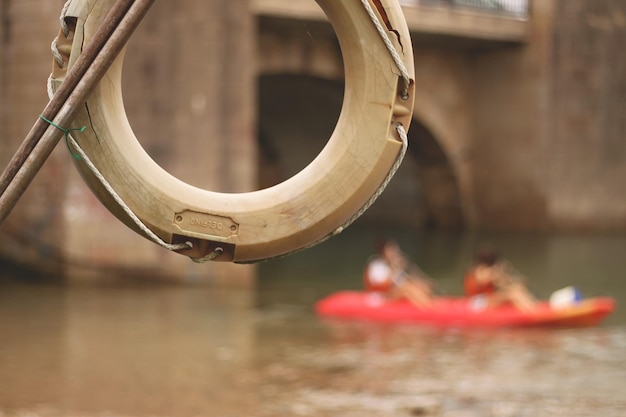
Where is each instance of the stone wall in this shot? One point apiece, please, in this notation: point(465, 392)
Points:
point(548, 144)
point(34, 233)
point(587, 133)
point(508, 91)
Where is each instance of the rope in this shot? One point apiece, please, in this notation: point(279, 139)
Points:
point(392, 49)
point(149, 233)
point(141, 225)
point(394, 168)
point(58, 58)
point(406, 77)
point(64, 27)
point(216, 252)
point(81, 155)
point(56, 54)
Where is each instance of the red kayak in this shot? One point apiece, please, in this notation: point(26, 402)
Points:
point(459, 312)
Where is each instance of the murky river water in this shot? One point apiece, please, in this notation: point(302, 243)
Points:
point(159, 351)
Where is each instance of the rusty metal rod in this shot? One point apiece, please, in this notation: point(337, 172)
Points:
point(90, 67)
point(72, 78)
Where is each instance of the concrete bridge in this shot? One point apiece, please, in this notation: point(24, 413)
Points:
point(297, 48)
point(518, 123)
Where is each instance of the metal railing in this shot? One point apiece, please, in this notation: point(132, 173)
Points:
point(514, 8)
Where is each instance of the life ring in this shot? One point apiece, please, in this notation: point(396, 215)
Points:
point(289, 216)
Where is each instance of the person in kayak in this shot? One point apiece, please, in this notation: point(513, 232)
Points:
point(490, 282)
point(389, 274)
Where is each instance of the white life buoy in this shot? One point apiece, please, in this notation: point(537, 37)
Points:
point(306, 208)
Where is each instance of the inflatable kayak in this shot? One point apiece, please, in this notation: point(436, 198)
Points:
point(459, 311)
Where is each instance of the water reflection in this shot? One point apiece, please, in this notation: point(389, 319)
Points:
point(373, 370)
point(181, 351)
point(138, 351)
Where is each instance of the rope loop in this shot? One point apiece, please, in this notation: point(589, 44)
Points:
point(64, 27)
point(397, 59)
point(216, 252)
point(147, 232)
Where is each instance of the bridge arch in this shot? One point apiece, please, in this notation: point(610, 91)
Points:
point(296, 116)
point(300, 70)
point(443, 106)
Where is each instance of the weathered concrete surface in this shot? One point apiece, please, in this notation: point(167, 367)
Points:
point(34, 233)
point(586, 152)
point(548, 142)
